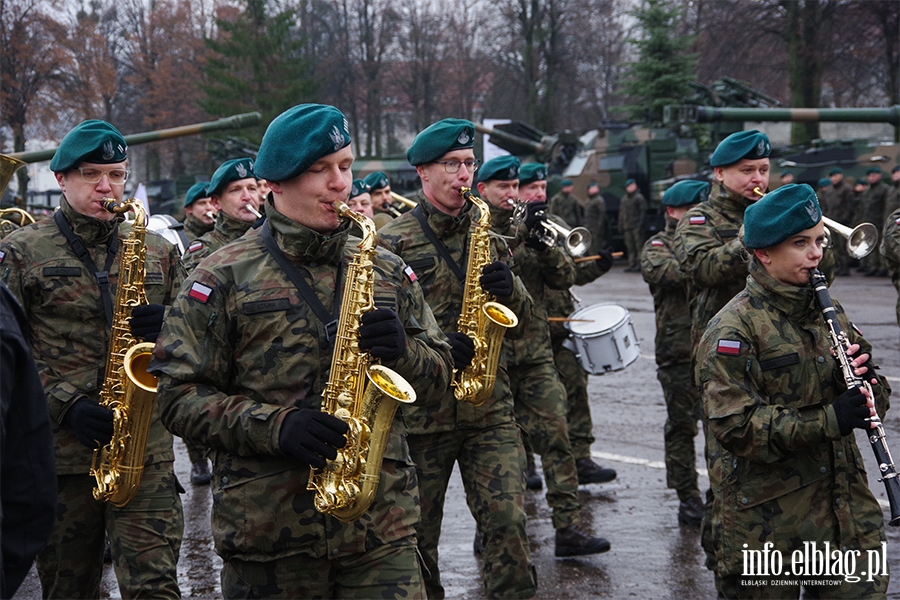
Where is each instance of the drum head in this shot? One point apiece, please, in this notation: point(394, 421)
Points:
point(599, 317)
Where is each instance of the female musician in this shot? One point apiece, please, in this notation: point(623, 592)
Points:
point(786, 473)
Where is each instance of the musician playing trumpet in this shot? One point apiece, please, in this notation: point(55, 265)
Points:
point(234, 193)
point(780, 418)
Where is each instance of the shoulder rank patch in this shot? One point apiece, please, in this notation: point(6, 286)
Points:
point(195, 245)
point(200, 292)
point(410, 274)
point(729, 347)
point(697, 220)
point(657, 243)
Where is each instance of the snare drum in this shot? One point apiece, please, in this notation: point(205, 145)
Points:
point(603, 338)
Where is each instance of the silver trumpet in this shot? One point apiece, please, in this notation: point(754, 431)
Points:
point(250, 208)
point(577, 240)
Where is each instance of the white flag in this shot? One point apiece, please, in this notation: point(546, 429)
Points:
point(141, 194)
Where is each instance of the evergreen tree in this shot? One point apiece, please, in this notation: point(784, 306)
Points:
point(256, 63)
point(664, 69)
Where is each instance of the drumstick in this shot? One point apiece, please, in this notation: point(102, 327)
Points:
point(568, 320)
point(597, 256)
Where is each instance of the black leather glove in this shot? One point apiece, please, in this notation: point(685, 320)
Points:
point(312, 436)
point(462, 349)
point(147, 320)
point(497, 279)
point(535, 243)
point(605, 262)
point(535, 212)
point(92, 424)
point(382, 334)
point(851, 410)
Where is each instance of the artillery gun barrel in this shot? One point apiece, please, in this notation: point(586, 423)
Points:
point(712, 114)
point(232, 122)
point(540, 149)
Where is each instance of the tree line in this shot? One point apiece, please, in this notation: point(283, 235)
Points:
point(395, 66)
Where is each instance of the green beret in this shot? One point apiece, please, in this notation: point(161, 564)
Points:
point(377, 180)
point(785, 173)
point(836, 171)
point(531, 172)
point(440, 138)
point(566, 182)
point(90, 141)
point(778, 215)
point(895, 169)
point(359, 188)
point(686, 193)
point(502, 168)
point(751, 145)
point(298, 137)
point(230, 170)
point(195, 192)
point(824, 182)
point(629, 182)
point(874, 170)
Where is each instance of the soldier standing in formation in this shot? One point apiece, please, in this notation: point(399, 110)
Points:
point(433, 239)
point(659, 266)
point(839, 204)
point(780, 419)
point(540, 397)
point(382, 201)
point(892, 202)
point(872, 210)
point(560, 303)
point(786, 178)
point(243, 361)
point(632, 208)
point(63, 270)
point(234, 191)
point(567, 206)
point(595, 219)
point(360, 199)
point(199, 214)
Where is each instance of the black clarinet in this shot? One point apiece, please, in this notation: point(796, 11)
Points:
point(839, 345)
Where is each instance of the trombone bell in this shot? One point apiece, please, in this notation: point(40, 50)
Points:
point(8, 167)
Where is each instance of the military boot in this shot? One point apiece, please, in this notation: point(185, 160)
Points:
point(200, 473)
point(691, 511)
point(591, 472)
point(532, 479)
point(573, 541)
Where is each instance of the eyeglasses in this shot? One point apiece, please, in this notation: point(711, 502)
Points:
point(92, 175)
point(452, 166)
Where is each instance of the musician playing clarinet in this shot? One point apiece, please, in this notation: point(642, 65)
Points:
point(789, 479)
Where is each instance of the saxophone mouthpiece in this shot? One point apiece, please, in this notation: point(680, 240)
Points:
point(112, 205)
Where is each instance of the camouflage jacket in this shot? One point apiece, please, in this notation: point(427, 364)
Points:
point(839, 203)
point(891, 202)
point(241, 349)
point(70, 335)
point(444, 293)
point(194, 227)
point(659, 266)
point(768, 381)
point(632, 208)
point(872, 204)
point(539, 272)
point(561, 303)
point(890, 250)
point(568, 208)
point(226, 230)
point(597, 222)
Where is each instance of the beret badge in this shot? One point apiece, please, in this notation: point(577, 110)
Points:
point(241, 170)
point(463, 138)
point(108, 152)
point(337, 137)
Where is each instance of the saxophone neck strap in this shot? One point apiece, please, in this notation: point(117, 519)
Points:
point(330, 321)
point(438, 244)
point(78, 247)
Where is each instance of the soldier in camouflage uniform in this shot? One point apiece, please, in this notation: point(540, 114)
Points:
point(484, 440)
point(233, 189)
point(890, 252)
point(199, 214)
point(839, 204)
point(559, 303)
point(540, 397)
point(243, 360)
point(567, 206)
point(66, 296)
point(892, 202)
point(781, 419)
point(595, 219)
point(382, 201)
point(659, 266)
point(632, 208)
point(872, 210)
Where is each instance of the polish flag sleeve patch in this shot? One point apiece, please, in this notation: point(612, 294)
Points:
point(729, 347)
point(411, 274)
point(195, 246)
point(697, 220)
point(2, 255)
point(200, 292)
point(657, 243)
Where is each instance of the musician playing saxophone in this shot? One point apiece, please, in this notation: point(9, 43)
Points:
point(434, 239)
point(243, 361)
point(781, 420)
point(64, 271)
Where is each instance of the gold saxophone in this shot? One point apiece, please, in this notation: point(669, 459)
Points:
point(363, 395)
point(129, 391)
point(482, 319)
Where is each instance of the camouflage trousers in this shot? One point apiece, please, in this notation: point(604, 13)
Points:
point(197, 453)
point(540, 405)
point(684, 410)
point(491, 464)
point(634, 242)
point(144, 539)
point(578, 412)
point(386, 571)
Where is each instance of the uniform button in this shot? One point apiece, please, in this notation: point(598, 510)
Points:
point(821, 359)
point(735, 463)
point(90, 386)
point(823, 470)
point(225, 479)
point(840, 455)
point(837, 501)
point(334, 552)
point(744, 501)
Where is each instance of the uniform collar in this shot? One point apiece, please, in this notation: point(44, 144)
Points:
point(721, 198)
point(229, 226)
point(443, 224)
point(92, 231)
point(303, 244)
point(794, 301)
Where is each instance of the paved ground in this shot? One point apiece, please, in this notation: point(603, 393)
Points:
point(651, 556)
